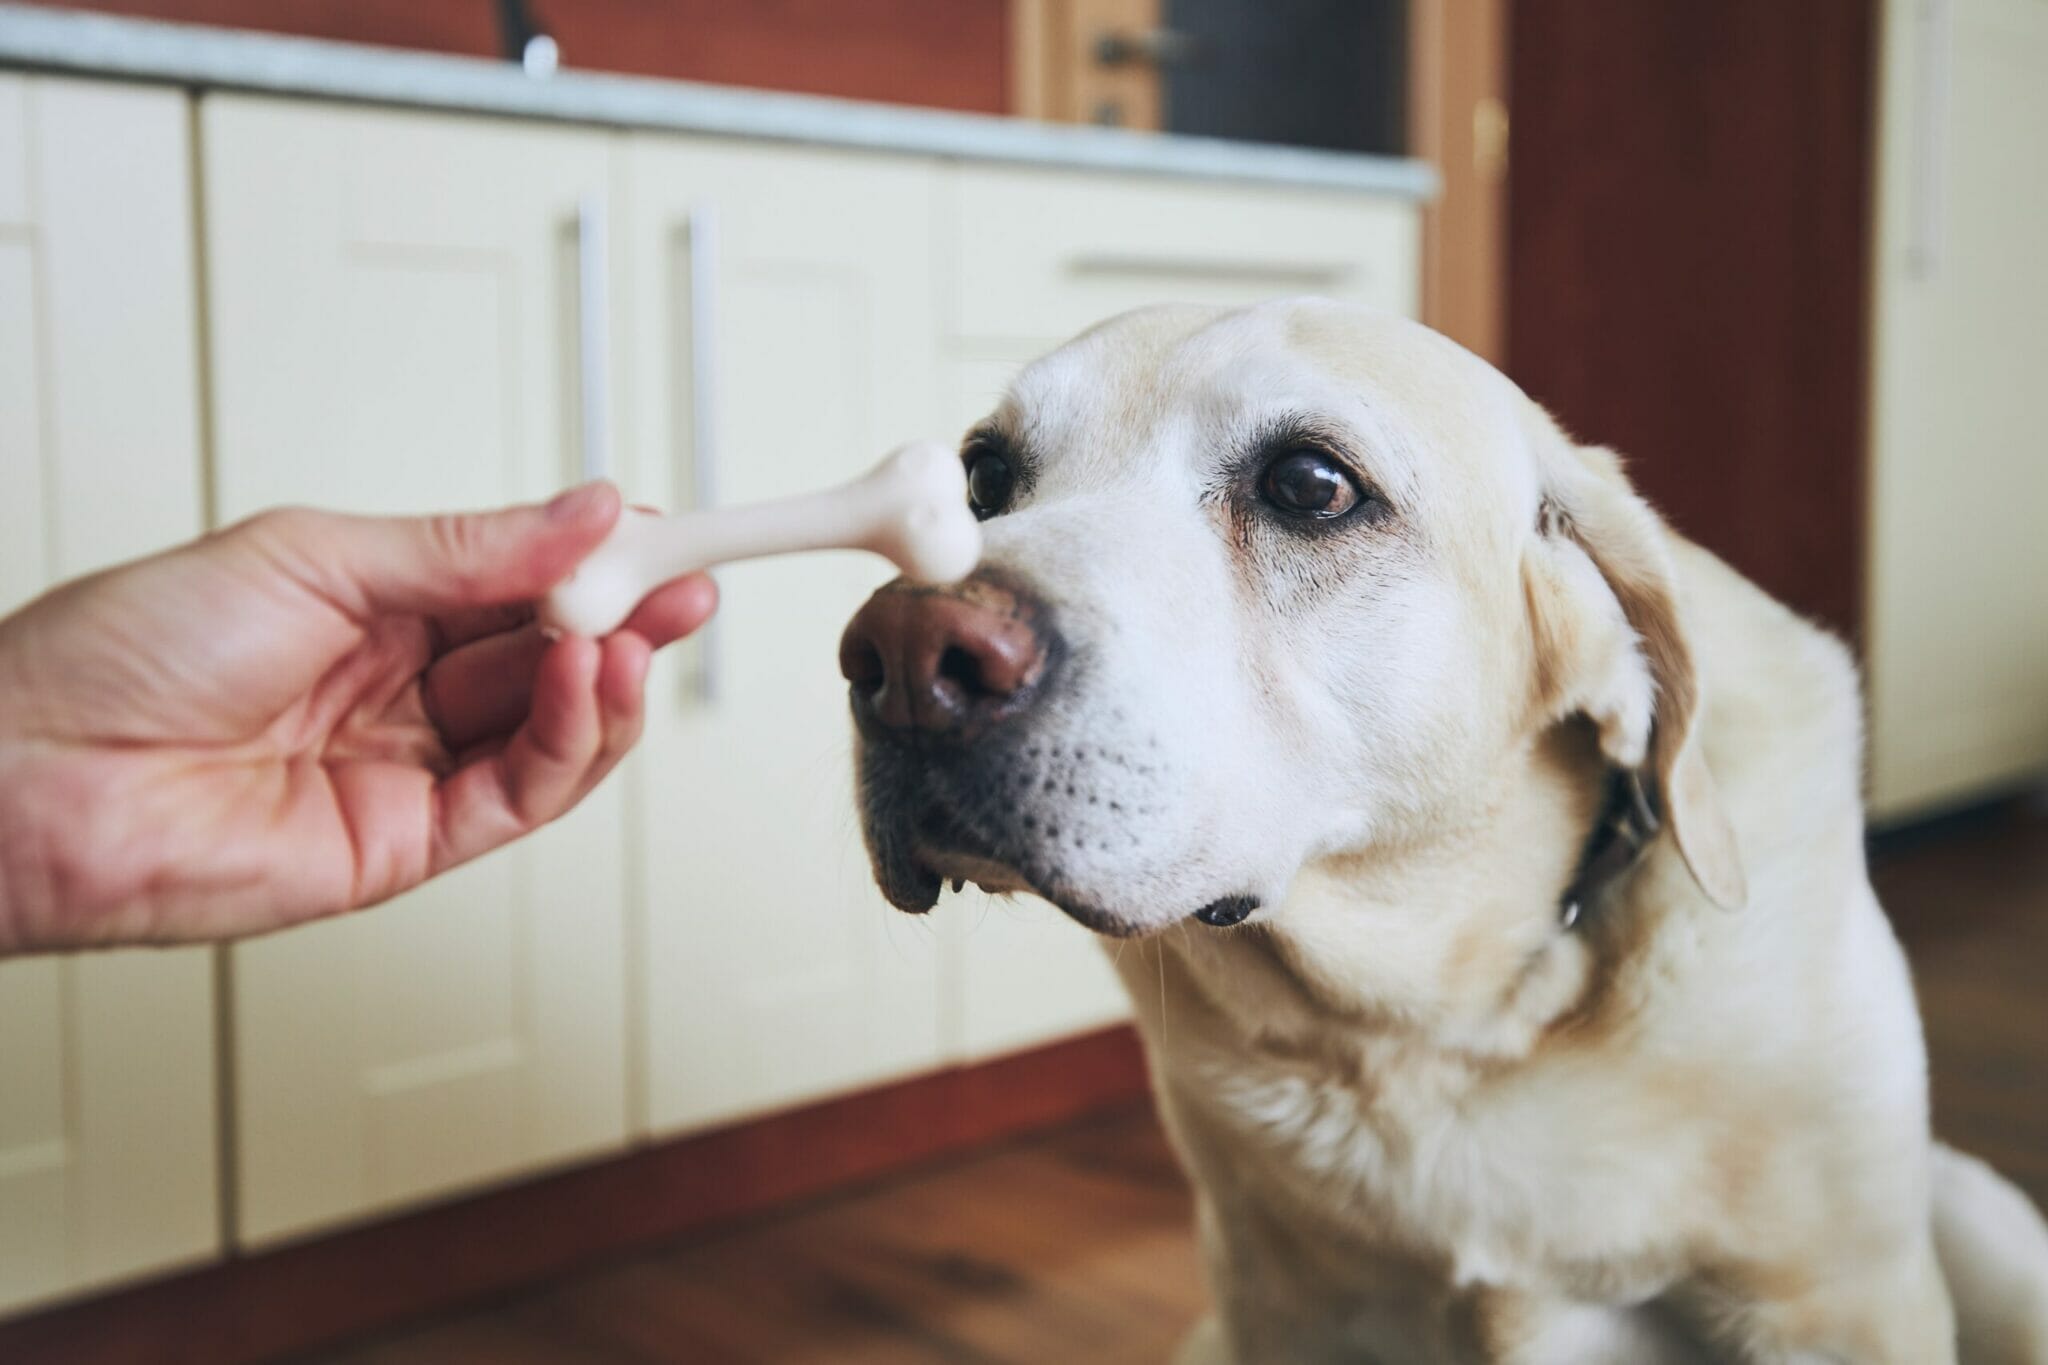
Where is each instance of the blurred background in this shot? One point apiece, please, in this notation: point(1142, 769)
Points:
point(670, 1083)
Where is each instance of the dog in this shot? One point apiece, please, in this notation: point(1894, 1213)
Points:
point(1484, 861)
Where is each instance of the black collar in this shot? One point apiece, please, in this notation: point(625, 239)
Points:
point(1623, 829)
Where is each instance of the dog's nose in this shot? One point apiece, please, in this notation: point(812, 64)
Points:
point(941, 660)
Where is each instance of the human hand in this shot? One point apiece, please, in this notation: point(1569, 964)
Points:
point(303, 714)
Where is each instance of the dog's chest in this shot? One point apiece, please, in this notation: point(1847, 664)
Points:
point(1393, 1144)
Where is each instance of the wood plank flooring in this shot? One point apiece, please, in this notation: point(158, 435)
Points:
point(1076, 1247)
point(1971, 903)
point(1072, 1247)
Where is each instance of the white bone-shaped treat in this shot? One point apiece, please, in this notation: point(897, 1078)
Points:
point(911, 509)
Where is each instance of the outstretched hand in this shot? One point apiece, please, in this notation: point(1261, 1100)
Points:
point(303, 714)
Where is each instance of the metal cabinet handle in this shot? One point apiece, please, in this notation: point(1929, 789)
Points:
point(699, 244)
point(593, 337)
point(1934, 25)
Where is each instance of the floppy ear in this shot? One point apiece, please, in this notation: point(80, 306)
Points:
point(1610, 645)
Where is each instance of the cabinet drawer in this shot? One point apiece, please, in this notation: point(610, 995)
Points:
point(1038, 255)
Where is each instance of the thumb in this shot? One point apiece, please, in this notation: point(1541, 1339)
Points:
point(373, 566)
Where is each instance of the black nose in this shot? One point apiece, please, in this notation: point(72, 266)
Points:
point(939, 661)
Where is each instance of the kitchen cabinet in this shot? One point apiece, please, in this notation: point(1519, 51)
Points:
point(1958, 634)
point(783, 319)
point(405, 313)
point(107, 1087)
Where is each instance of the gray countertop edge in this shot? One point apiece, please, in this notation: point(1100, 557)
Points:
point(84, 43)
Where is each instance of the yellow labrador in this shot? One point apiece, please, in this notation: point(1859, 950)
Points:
point(1504, 952)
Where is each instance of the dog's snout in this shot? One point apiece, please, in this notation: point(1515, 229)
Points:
point(940, 661)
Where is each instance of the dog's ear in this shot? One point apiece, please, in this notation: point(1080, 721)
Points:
point(1610, 645)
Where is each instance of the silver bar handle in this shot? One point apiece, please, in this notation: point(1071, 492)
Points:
point(1934, 24)
point(593, 337)
point(700, 318)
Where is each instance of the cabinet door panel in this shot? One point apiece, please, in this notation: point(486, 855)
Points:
point(1958, 643)
point(1038, 255)
point(394, 313)
point(107, 1140)
point(774, 971)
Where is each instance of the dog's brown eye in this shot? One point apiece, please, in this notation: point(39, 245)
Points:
point(989, 481)
point(1308, 483)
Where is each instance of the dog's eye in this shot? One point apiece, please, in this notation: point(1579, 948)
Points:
point(989, 482)
point(1308, 483)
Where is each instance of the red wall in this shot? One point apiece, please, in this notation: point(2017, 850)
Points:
point(950, 54)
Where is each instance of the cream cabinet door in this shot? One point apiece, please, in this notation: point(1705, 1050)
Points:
point(1032, 257)
point(394, 309)
point(1958, 616)
point(782, 336)
point(107, 1096)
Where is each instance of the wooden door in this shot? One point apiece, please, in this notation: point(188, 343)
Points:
point(1458, 121)
point(107, 1139)
point(395, 319)
point(1057, 66)
point(1958, 637)
point(783, 336)
point(1687, 280)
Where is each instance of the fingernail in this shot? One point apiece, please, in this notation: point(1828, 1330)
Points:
point(573, 505)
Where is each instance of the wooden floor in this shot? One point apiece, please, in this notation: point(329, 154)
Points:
point(1076, 1247)
point(1971, 903)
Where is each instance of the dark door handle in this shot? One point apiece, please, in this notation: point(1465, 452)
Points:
point(1160, 47)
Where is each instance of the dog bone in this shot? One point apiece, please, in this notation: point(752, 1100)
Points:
point(911, 509)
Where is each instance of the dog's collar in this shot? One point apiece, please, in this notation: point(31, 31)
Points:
point(1624, 828)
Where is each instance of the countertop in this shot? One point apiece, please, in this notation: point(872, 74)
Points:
point(83, 43)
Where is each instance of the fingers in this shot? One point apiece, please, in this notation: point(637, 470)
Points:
point(458, 628)
point(579, 727)
point(673, 610)
point(441, 564)
point(664, 616)
point(622, 696)
point(484, 688)
point(549, 761)
point(586, 714)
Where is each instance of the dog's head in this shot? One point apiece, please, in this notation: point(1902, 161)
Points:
point(1261, 587)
